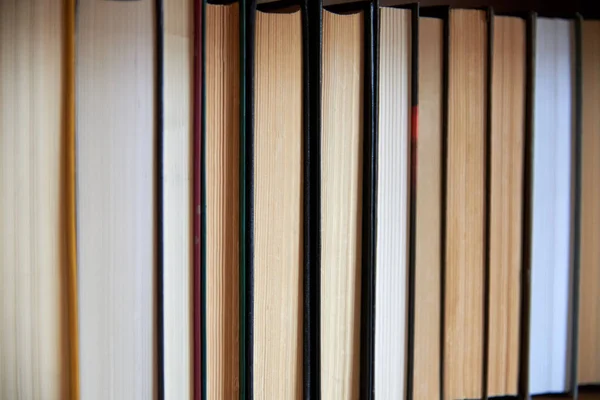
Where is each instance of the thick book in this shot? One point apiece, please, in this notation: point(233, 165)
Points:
point(549, 342)
point(393, 180)
point(426, 364)
point(177, 174)
point(222, 172)
point(507, 140)
point(35, 346)
point(589, 289)
point(342, 139)
point(116, 198)
point(465, 168)
point(276, 127)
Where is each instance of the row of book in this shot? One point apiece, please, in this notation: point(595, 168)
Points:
point(223, 200)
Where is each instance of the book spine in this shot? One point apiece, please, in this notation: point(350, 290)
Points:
point(369, 212)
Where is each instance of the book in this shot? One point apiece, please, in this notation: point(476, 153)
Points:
point(222, 143)
point(550, 258)
point(35, 345)
point(506, 203)
point(277, 201)
point(465, 204)
point(429, 211)
point(589, 320)
point(116, 128)
point(341, 202)
point(177, 188)
point(391, 287)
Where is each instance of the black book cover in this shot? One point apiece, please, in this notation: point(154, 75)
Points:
point(576, 210)
point(312, 238)
point(371, 93)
